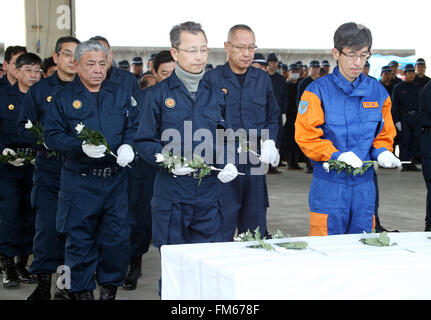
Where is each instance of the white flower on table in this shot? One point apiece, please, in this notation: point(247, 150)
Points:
point(79, 127)
point(28, 125)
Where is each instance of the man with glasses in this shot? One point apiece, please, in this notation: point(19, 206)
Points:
point(252, 107)
point(48, 244)
point(11, 54)
point(16, 213)
point(93, 210)
point(184, 210)
point(345, 116)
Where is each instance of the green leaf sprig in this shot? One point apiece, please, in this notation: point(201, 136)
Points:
point(92, 137)
point(257, 236)
point(339, 166)
point(382, 240)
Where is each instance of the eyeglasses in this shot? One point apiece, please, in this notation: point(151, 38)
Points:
point(29, 70)
point(195, 51)
point(243, 48)
point(353, 56)
point(66, 54)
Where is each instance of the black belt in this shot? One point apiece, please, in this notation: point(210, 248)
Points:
point(426, 130)
point(410, 113)
point(26, 151)
point(101, 172)
point(49, 155)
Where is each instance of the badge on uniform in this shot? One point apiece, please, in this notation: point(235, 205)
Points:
point(77, 104)
point(49, 98)
point(11, 107)
point(367, 105)
point(133, 102)
point(170, 103)
point(302, 107)
point(224, 90)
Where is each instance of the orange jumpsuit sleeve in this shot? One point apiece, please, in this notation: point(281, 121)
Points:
point(385, 138)
point(308, 135)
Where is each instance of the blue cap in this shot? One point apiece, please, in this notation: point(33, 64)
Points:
point(152, 56)
point(284, 67)
point(123, 64)
point(259, 58)
point(420, 61)
point(386, 69)
point(393, 63)
point(293, 66)
point(409, 67)
point(325, 63)
point(271, 57)
point(314, 64)
point(137, 60)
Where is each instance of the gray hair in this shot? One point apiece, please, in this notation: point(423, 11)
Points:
point(189, 26)
point(90, 45)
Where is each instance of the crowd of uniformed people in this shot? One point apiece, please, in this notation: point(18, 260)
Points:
point(95, 208)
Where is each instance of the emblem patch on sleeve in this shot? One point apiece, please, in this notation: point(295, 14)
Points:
point(302, 107)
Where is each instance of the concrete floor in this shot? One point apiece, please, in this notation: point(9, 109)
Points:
point(402, 207)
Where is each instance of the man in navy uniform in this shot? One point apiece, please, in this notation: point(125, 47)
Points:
point(425, 123)
point(420, 68)
point(11, 54)
point(405, 107)
point(16, 213)
point(48, 244)
point(280, 92)
point(251, 106)
point(184, 211)
point(93, 208)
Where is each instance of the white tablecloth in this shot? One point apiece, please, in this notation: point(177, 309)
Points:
point(332, 267)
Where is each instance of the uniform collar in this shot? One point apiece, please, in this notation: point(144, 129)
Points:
point(359, 87)
point(228, 73)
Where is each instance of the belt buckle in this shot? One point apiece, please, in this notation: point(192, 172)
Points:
point(107, 172)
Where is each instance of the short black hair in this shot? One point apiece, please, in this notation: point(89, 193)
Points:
point(237, 27)
point(13, 50)
point(100, 38)
point(47, 63)
point(62, 40)
point(163, 56)
point(352, 35)
point(28, 58)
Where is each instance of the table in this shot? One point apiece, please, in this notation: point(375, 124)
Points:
point(332, 267)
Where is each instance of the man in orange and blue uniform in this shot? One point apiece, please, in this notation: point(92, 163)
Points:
point(345, 116)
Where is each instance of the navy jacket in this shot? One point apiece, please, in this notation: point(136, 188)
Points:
point(252, 106)
point(10, 105)
point(112, 114)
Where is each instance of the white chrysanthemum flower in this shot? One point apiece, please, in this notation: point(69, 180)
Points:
point(28, 125)
point(159, 157)
point(326, 166)
point(239, 150)
point(79, 127)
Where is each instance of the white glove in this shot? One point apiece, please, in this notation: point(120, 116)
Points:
point(182, 171)
point(18, 162)
point(398, 125)
point(350, 158)
point(125, 155)
point(94, 151)
point(228, 173)
point(387, 160)
point(269, 153)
